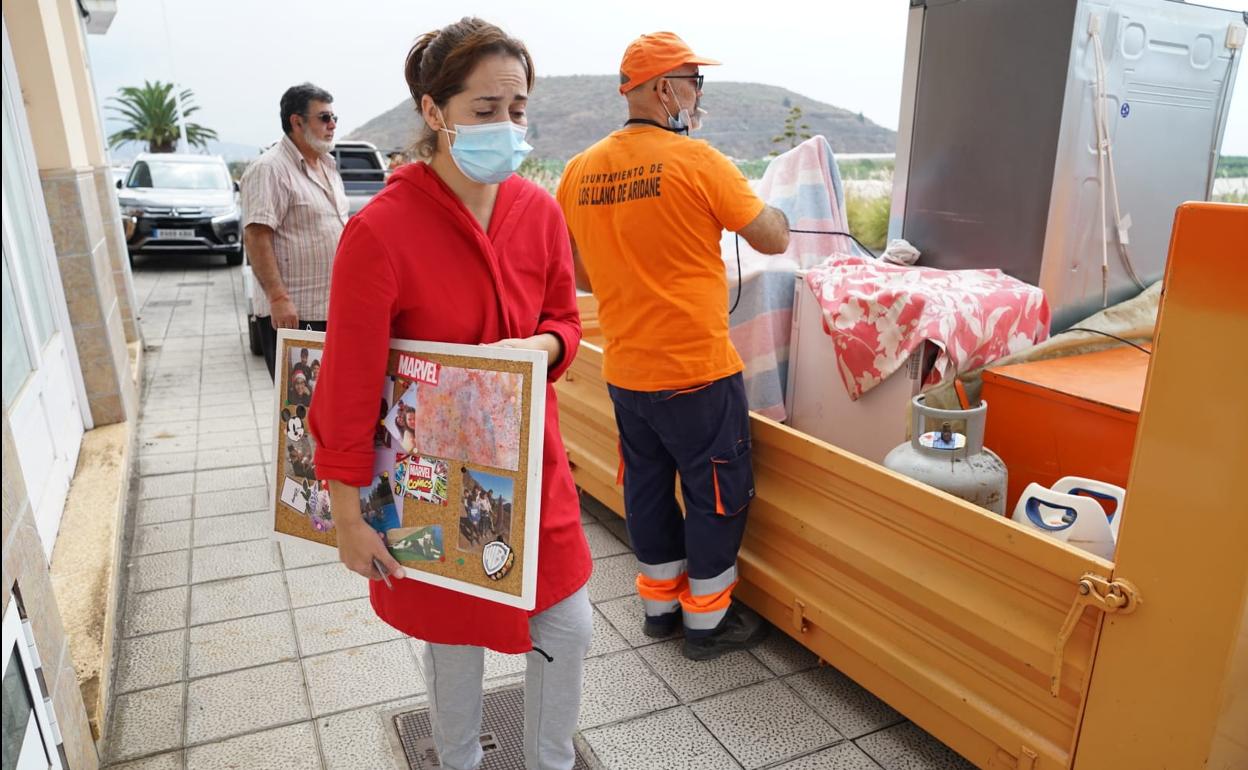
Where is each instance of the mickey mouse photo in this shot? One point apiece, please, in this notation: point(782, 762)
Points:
point(298, 443)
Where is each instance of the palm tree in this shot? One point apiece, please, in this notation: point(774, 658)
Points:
point(152, 117)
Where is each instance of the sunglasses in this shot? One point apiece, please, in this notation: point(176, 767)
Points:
point(325, 117)
point(698, 78)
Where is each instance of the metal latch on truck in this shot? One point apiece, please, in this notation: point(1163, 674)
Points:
point(1108, 596)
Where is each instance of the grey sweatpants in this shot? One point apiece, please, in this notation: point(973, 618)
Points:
point(552, 690)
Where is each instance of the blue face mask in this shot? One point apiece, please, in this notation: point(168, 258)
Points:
point(489, 152)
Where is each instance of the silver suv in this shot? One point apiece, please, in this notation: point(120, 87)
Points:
point(175, 202)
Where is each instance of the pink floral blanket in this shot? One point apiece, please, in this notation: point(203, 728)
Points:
point(877, 313)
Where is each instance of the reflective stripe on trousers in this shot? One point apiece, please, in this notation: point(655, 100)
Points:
point(707, 600)
point(661, 586)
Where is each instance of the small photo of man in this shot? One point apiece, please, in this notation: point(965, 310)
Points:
point(486, 502)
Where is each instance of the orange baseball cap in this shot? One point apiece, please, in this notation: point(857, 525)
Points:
point(651, 55)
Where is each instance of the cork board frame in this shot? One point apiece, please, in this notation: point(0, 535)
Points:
point(458, 461)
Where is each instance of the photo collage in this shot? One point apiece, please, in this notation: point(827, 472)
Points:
point(449, 463)
point(442, 420)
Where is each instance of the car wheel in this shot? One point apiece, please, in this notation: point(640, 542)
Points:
point(234, 258)
point(253, 336)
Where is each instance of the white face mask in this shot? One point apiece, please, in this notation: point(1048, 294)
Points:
point(488, 153)
point(683, 121)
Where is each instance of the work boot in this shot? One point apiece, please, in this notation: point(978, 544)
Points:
point(741, 629)
point(661, 626)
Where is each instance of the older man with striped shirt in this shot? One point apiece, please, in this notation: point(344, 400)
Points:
point(294, 210)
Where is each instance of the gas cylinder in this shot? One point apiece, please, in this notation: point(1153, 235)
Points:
point(1070, 511)
point(957, 463)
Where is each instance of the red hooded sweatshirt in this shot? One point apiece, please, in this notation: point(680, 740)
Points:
point(415, 264)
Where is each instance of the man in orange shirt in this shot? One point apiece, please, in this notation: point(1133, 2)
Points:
point(646, 207)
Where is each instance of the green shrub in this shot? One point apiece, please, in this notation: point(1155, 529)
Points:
point(868, 220)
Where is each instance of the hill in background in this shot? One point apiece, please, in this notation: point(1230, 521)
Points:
point(569, 113)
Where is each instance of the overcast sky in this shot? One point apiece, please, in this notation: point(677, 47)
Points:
point(239, 55)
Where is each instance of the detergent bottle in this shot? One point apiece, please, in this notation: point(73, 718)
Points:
point(1071, 511)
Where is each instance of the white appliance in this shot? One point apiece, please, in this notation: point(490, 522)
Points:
point(998, 161)
point(817, 402)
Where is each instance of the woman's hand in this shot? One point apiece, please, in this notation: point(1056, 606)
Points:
point(358, 543)
point(551, 343)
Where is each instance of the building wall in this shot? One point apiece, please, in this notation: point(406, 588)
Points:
point(25, 569)
point(49, 50)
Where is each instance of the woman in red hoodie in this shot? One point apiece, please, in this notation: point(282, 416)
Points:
point(459, 249)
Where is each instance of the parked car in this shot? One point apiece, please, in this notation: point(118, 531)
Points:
point(363, 171)
point(175, 202)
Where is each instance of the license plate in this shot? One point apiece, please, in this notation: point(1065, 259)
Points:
point(174, 234)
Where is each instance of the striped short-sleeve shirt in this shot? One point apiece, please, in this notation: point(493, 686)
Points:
point(306, 208)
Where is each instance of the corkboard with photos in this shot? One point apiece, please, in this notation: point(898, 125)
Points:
point(457, 470)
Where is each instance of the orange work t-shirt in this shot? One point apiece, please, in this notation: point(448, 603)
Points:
point(646, 208)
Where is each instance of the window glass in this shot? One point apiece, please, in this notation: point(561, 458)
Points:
point(179, 175)
point(17, 364)
point(17, 711)
point(19, 224)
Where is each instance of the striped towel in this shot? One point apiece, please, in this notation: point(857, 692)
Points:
point(805, 184)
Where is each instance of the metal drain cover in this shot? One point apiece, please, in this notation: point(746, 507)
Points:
point(167, 303)
point(502, 734)
point(195, 283)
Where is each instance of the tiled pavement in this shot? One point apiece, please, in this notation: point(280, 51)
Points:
point(240, 653)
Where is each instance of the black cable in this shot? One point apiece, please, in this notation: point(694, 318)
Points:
point(809, 232)
point(1107, 334)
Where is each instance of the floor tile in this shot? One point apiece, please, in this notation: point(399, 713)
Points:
point(327, 627)
point(162, 464)
point(164, 444)
point(617, 527)
point(170, 485)
point(237, 598)
point(300, 553)
point(234, 528)
point(287, 748)
point(324, 583)
point(627, 615)
point(851, 709)
point(146, 722)
point(230, 478)
point(242, 643)
point(360, 676)
point(227, 424)
point(618, 687)
point(231, 501)
point(218, 399)
point(151, 661)
point(227, 439)
point(602, 543)
point(613, 577)
point(166, 429)
point(783, 655)
point(764, 724)
point(909, 747)
point(154, 611)
point(233, 409)
point(606, 639)
point(668, 739)
point(158, 538)
point(597, 509)
point(163, 509)
point(164, 570)
point(845, 756)
point(242, 701)
point(234, 560)
point(171, 761)
point(227, 457)
point(693, 680)
point(360, 738)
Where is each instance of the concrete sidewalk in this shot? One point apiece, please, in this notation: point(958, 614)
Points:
point(238, 653)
